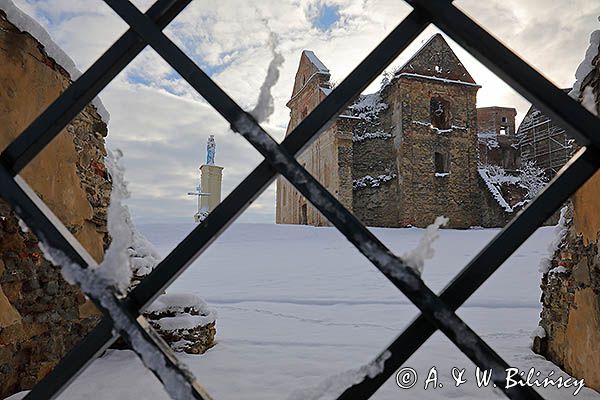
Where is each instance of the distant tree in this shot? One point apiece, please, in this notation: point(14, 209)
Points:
point(532, 178)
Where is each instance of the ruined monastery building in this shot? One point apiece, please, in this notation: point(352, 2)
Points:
point(416, 149)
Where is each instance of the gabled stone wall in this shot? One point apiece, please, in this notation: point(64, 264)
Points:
point(423, 194)
point(42, 316)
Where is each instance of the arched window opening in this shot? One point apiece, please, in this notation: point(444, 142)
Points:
point(440, 113)
point(441, 164)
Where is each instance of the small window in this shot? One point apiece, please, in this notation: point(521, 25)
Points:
point(303, 80)
point(503, 130)
point(441, 164)
point(439, 113)
point(303, 214)
point(504, 119)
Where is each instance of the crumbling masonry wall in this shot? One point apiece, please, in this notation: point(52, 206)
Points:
point(423, 194)
point(42, 316)
point(571, 288)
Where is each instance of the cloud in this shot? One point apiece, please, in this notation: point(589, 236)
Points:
point(162, 124)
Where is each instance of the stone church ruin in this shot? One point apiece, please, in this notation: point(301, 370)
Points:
point(415, 149)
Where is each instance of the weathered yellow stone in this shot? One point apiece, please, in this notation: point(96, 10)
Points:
point(29, 86)
point(587, 209)
point(582, 352)
point(88, 309)
point(8, 314)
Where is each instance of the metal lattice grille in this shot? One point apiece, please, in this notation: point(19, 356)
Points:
point(122, 315)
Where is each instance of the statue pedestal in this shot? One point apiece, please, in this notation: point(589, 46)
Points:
point(210, 180)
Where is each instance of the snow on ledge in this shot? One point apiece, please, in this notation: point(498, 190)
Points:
point(361, 137)
point(321, 68)
point(494, 190)
point(27, 24)
point(438, 130)
point(374, 182)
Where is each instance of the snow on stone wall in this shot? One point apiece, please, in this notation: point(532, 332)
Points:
point(359, 137)
point(586, 65)
point(368, 106)
point(369, 181)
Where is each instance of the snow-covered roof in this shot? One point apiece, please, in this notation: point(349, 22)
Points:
point(326, 91)
point(316, 62)
point(27, 24)
point(586, 65)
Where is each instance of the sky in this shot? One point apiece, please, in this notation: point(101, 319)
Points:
point(161, 124)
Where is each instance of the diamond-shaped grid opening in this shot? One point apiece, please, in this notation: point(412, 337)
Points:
point(164, 122)
point(237, 44)
point(80, 31)
point(525, 28)
point(291, 315)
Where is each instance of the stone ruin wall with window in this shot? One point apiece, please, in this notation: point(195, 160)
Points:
point(437, 153)
point(41, 315)
point(570, 316)
point(401, 156)
point(497, 139)
point(328, 158)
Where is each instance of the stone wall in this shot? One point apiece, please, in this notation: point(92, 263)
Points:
point(328, 158)
point(497, 137)
point(571, 294)
point(571, 289)
point(375, 205)
point(41, 316)
point(423, 194)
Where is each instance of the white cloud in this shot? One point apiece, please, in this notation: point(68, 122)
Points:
point(163, 136)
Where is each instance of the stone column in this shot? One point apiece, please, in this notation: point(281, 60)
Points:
point(210, 180)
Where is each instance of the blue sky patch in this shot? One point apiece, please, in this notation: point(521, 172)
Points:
point(328, 15)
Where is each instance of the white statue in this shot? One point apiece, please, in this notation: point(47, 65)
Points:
point(210, 150)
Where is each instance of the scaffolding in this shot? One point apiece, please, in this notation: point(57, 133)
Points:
point(543, 142)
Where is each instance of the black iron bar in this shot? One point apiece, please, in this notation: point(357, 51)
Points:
point(463, 285)
point(234, 204)
point(391, 266)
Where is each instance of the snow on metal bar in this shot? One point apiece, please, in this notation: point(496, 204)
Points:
point(394, 268)
point(375, 251)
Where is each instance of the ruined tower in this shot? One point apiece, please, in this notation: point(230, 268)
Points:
point(432, 102)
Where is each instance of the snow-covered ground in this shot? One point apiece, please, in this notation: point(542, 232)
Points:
point(299, 304)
